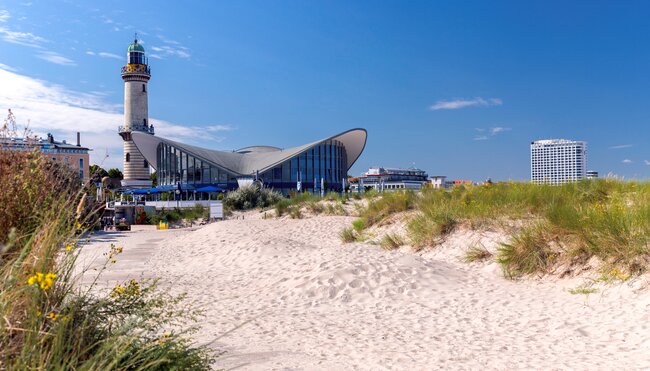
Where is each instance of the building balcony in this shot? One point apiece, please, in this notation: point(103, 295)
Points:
point(136, 127)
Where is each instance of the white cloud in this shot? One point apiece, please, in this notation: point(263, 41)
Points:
point(214, 128)
point(493, 131)
point(627, 161)
point(56, 109)
point(172, 49)
point(647, 162)
point(4, 15)
point(462, 103)
point(169, 51)
point(17, 37)
point(21, 38)
point(104, 54)
point(56, 58)
point(108, 55)
point(7, 68)
point(498, 129)
point(620, 146)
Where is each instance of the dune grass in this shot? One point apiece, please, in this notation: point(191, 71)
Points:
point(348, 235)
point(391, 241)
point(477, 253)
point(606, 218)
point(47, 322)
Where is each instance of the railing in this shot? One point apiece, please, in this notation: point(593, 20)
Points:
point(178, 204)
point(136, 68)
point(136, 127)
point(161, 204)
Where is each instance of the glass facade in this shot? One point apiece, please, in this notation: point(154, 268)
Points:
point(324, 164)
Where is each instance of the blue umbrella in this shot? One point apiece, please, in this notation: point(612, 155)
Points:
point(210, 189)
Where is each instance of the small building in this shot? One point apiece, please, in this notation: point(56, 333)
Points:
point(390, 179)
point(73, 155)
point(457, 183)
point(438, 181)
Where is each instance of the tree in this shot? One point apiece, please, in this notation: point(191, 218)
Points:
point(115, 173)
point(97, 173)
point(154, 179)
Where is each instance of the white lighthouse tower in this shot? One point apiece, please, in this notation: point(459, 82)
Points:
point(136, 75)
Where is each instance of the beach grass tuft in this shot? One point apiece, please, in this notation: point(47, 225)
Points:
point(477, 253)
point(391, 241)
point(348, 235)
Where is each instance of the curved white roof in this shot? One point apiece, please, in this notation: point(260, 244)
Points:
point(253, 159)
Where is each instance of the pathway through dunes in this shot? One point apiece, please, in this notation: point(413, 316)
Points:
point(287, 294)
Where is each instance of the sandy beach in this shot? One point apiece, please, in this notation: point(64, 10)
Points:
point(288, 294)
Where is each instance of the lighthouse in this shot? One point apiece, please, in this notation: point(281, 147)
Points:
point(136, 75)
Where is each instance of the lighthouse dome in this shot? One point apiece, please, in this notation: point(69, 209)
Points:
point(135, 47)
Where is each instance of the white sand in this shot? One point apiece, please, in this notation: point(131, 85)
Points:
point(304, 300)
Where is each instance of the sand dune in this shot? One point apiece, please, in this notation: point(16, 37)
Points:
point(287, 294)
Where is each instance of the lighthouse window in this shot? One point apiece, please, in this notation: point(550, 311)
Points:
point(144, 88)
point(128, 157)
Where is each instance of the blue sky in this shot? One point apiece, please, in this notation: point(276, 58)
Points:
point(456, 88)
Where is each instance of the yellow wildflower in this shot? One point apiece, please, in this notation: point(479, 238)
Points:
point(44, 281)
point(69, 247)
point(53, 316)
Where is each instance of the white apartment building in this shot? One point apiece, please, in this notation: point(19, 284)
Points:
point(557, 161)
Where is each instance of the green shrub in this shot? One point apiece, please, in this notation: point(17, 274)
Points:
point(250, 197)
point(174, 215)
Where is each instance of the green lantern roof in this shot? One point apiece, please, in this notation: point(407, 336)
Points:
point(135, 47)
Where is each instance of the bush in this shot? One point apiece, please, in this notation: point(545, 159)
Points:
point(250, 197)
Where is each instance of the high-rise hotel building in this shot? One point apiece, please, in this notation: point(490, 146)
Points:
point(557, 161)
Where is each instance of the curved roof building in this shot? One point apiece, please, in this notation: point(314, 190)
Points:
point(320, 165)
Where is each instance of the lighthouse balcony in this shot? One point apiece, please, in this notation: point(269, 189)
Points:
point(136, 127)
point(139, 69)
